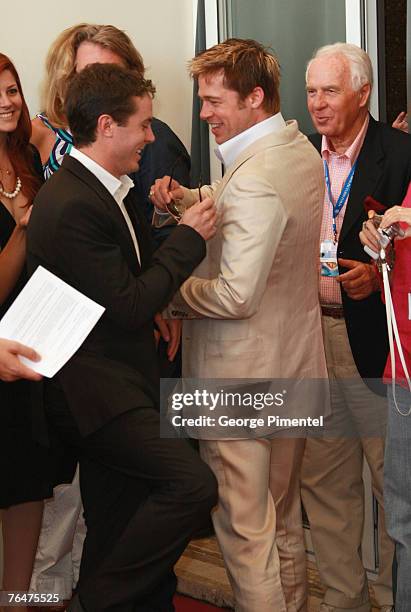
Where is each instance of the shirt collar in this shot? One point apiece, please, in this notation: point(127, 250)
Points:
point(353, 150)
point(118, 188)
point(228, 151)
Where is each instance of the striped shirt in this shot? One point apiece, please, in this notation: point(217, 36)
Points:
point(339, 166)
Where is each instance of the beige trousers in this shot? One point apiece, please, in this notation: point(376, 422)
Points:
point(333, 490)
point(258, 521)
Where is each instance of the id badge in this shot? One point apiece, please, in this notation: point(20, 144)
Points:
point(328, 258)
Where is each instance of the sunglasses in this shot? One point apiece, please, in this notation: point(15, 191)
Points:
point(175, 207)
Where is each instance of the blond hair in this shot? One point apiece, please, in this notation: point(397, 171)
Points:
point(61, 62)
point(246, 64)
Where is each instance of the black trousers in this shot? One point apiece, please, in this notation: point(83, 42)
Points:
point(144, 497)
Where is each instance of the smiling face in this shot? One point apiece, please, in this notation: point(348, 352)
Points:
point(10, 102)
point(336, 110)
point(128, 140)
point(223, 110)
point(92, 53)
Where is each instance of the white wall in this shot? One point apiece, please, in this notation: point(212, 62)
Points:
point(162, 31)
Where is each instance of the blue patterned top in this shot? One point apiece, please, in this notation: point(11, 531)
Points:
point(62, 146)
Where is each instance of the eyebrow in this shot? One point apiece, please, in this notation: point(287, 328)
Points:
point(211, 98)
point(328, 86)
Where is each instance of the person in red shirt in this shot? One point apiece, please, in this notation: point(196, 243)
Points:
point(397, 492)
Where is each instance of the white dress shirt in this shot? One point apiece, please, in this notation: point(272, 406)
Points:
point(118, 188)
point(228, 151)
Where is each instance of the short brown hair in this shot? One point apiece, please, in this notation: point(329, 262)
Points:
point(102, 89)
point(61, 62)
point(246, 64)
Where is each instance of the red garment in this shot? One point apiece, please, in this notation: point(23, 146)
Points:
point(401, 290)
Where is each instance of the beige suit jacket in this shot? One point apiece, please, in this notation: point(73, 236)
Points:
point(257, 289)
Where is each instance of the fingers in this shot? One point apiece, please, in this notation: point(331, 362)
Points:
point(369, 235)
point(162, 327)
point(202, 217)
point(162, 192)
point(25, 351)
point(360, 280)
point(175, 332)
point(353, 273)
point(396, 214)
point(401, 122)
point(206, 204)
point(348, 263)
point(25, 372)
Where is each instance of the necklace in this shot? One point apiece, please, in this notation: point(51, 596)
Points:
point(12, 194)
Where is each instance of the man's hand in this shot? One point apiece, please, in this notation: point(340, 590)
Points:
point(401, 122)
point(360, 280)
point(369, 235)
point(202, 217)
point(162, 192)
point(11, 367)
point(170, 330)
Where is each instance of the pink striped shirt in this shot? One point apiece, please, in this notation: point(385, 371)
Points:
point(339, 166)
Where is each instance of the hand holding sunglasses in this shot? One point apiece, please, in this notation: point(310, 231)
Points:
point(166, 194)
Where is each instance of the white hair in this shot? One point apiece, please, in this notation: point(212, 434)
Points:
point(357, 58)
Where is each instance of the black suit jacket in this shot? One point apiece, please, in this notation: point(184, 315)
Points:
point(78, 232)
point(384, 172)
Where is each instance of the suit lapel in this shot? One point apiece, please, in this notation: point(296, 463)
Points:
point(366, 177)
point(141, 228)
point(274, 139)
point(91, 182)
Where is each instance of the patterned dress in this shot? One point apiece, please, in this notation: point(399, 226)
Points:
point(61, 147)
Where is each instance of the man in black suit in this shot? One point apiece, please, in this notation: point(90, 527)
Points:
point(144, 496)
point(361, 157)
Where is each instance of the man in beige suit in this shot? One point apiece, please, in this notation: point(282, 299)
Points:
point(255, 297)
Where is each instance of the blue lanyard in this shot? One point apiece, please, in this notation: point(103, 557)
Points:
point(342, 197)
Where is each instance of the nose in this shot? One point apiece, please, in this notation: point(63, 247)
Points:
point(318, 100)
point(149, 135)
point(205, 112)
point(4, 100)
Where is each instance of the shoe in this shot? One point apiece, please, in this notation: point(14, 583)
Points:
point(387, 609)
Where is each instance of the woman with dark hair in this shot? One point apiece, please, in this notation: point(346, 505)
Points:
point(23, 464)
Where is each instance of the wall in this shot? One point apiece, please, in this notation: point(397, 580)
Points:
point(395, 57)
point(294, 30)
point(162, 31)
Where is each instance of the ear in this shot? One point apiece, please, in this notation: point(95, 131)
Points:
point(364, 93)
point(256, 97)
point(105, 125)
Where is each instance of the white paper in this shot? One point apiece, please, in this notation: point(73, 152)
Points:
point(51, 317)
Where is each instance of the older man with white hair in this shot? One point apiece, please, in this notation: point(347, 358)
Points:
point(362, 157)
